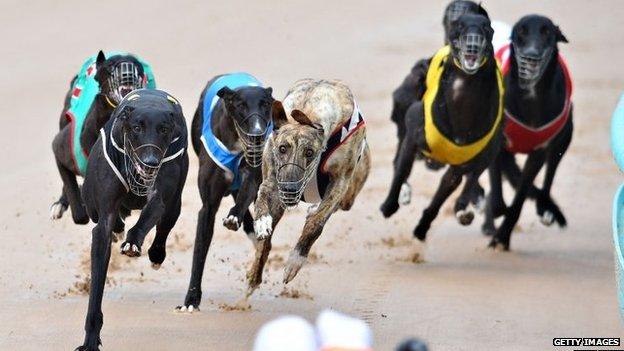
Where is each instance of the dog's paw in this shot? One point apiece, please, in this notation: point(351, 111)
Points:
point(130, 250)
point(549, 212)
point(488, 229)
point(57, 209)
point(405, 195)
point(187, 308)
point(311, 210)
point(157, 256)
point(231, 222)
point(293, 265)
point(547, 218)
point(388, 208)
point(498, 245)
point(263, 227)
point(464, 217)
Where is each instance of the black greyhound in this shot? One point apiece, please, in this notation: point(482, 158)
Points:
point(457, 122)
point(138, 162)
point(538, 111)
point(413, 87)
point(234, 111)
point(99, 113)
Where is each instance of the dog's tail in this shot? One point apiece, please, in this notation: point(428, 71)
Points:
point(196, 129)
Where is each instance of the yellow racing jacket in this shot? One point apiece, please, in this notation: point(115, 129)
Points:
point(442, 149)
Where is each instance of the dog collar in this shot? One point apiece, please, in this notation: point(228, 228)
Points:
point(110, 103)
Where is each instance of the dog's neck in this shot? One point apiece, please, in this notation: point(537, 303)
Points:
point(469, 105)
point(224, 129)
point(538, 103)
point(98, 115)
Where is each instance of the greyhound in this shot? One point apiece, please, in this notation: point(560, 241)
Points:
point(138, 162)
point(320, 155)
point(85, 110)
point(538, 112)
point(456, 123)
point(413, 88)
point(229, 131)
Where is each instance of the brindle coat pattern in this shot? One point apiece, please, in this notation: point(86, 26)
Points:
point(316, 108)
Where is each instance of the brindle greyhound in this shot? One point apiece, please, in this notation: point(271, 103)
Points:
point(97, 116)
point(320, 154)
point(138, 162)
point(238, 112)
point(413, 87)
point(538, 111)
point(457, 122)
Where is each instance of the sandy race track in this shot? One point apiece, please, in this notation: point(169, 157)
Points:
point(553, 284)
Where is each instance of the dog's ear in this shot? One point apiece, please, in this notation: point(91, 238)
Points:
point(278, 115)
point(301, 118)
point(99, 61)
point(559, 35)
point(481, 10)
point(269, 91)
point(125, 112)
point(228, 95)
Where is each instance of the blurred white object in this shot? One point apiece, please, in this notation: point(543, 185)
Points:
point(502, 34)
point(288, 333)
point(337, 331)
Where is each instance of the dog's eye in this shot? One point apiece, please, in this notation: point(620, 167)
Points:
point(282, 149)
point(164, 130)
point(309, 153)
point(545, 31)
point(136, 128)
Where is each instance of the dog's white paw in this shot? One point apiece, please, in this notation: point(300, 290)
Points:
point(548, 218)
point(263, 227)
point(464, 217)
point(131, 250)
point(405, 195)
point(480, 205)
point(119, 236)
point(56, 210)
point(231, 222)
point(418, 255)
point(156, 266)
point(186, 309)
point(293, 265)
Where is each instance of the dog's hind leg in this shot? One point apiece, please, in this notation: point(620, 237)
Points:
point(151, 214)
point(471, 194)
point(547, 208)
point(100, 257)
point(248, 224)
point(449, 182)
point(59, 207)
point(157, 251)
point(533, 164)
point(495, 203)
point(72, 192)
point(512, 172)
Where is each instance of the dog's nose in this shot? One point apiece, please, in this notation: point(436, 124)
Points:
point(151, 161)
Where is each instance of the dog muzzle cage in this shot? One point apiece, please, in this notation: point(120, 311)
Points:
point(289, 191)
point(470, 50)
point(140, 176)
point(531, 68)
point(253, 144)
point(123, 79)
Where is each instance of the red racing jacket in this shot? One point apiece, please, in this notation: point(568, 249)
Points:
point(522, 138)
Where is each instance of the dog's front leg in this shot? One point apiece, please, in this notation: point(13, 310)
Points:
point(449, 182)
point(533, 164)
point(100, 257)
point(314, 226)
point(150, 215)
point(495, 203)
point(472, 193)
point(403, 168)
point(244, 197)
point(269, 211)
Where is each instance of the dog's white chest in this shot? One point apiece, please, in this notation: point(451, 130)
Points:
point(458, 86)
